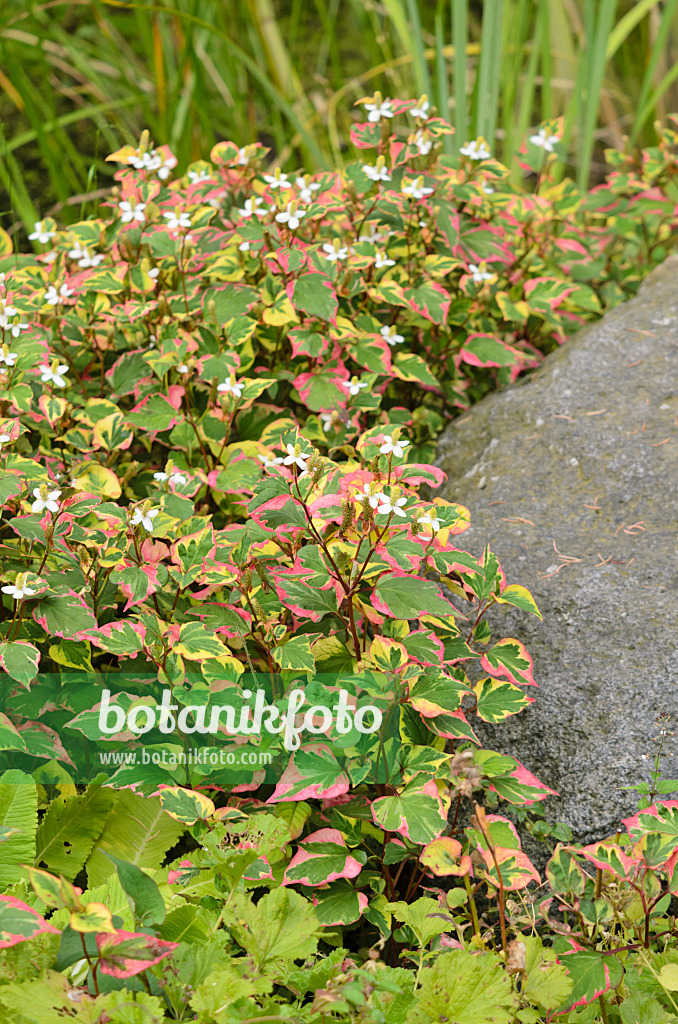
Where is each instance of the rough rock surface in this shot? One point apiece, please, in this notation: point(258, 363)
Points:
point(572, 476)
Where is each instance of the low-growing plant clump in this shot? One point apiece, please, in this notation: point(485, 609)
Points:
point(242, 651)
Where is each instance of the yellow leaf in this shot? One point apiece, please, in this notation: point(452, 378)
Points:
point(281, 312)
point(5, 243)
point(90, 476)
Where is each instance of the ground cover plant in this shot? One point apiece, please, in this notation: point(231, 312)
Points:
point(219, 409)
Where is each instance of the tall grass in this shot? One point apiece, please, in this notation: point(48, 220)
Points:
point(79, 78)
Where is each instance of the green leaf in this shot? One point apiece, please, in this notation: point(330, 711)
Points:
point(72, 654)
point(196, 642)
point(222, 987)
point(186, 805)
point(315, 295)
point(282, 926)
point(434, 694)
point(544, 982)
point(509, 658)
point(419, 917)
point(339, 904)
point(63, 615)
point(10, 737)
point(466, 988)
point(149, 907)
point(295, 655)
point(137, 830)
point(564, 873)
point(70, 828)
point(20, 660)
point(591, 974)
point(520, 597)
point(155, 413)
point(409, 597)
point(640, 1008)
point(444, 857)
point(416, 812)
point(484, 351)
point(19, 922)
point(10, 487)
point(408, 366)
point(234, 300)
point(322, 857)
point(498, 700)
point(19, 810)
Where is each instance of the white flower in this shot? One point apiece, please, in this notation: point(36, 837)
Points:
point(488, 190)
point(381, 108)
point(306, 188)
point(174, 478)
point(416, 189)
point(4, 438)
point(277, 180)
point(476, 150)
point(8, 358)
point(195, 177)
point(6, 314)
point(45, 499)
point(381, 260)
point(372, 498)
point(354, 386)
point(151, 160)
point(479, 273)
point(54, 297)
point(295, 456)
point(390, 336)
point(85, 258)
point(182, 368)
point(251, 207)
point(290, 216)
point(131, 210)
point(10, 313)
point(327, 419)
point(269, 461)
point(244, 246)
point(40, 233)
point(378, 172)
point(54, 374)
point(544, 140)
point(18, 590)
point(175, 221)
point(243, 156)
point(154, 273)
point(335, 251)
point(232, 387)
point(396, 447)
point(373, 234)
point(428, 520)
point(422, 108)
point(387, 506)
point(423, 142)
point(144, 518)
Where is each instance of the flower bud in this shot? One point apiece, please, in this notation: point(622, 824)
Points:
point(347, 515)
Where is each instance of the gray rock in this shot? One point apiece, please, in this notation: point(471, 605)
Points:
point(571, 476)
